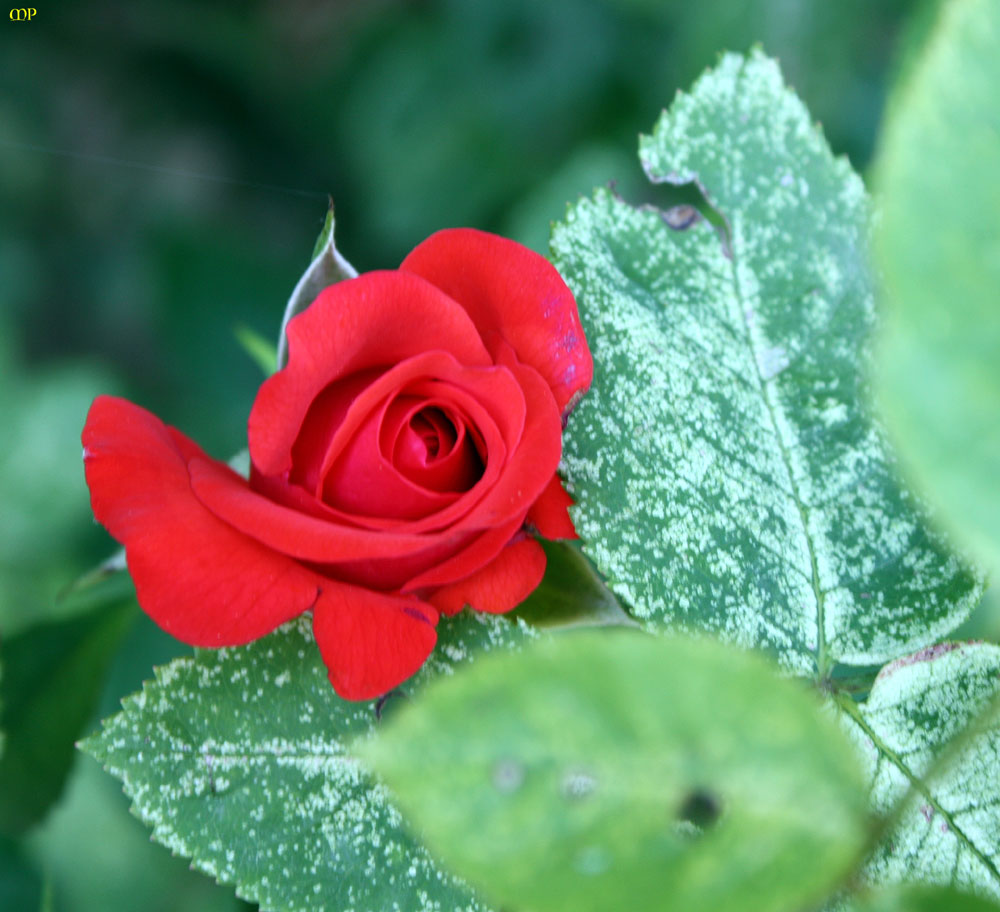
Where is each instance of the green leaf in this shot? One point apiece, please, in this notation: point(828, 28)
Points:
point(327, 268)
point(52, 679)
point(605, 770)
point(939, 247)
point(261, 352)
point(98, 580)
point(98, 858)
point(727, 473)
point(239, 760)
point(571, 594)
point(20, 884)
point(47, 530)
point(922, 899)
point(948, 832)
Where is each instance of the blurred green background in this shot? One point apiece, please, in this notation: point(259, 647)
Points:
point(164, 169)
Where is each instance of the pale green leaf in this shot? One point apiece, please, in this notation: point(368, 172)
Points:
point(949, 830)
point(939, 246)
point(238, 759)
point(727, 473)
point(328, 267)
point(606, 770)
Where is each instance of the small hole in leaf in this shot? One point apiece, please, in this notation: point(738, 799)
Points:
point(681, 217)
point(684, 205)
point(700, 808)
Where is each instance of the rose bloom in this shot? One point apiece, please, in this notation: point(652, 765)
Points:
point(401, 464)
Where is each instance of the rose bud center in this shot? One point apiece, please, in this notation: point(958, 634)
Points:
point(431, 446)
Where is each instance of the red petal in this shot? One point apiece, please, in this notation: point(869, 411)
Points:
point(364, 481)
point(511, 291)
point(370, 642)
point(531, 465)
point(476, 555)
point(490, 397)
point(377, 319)
point(324, 416)
point(296, 534)
point(426, 441)
point(196, 576)
point(392, 573)
point(548, 514)
point(499, 586)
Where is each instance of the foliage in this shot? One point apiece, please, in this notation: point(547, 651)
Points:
point(240, 760)
point(930, 738)
point(761, 504)
point(728, 474)
point(938, 245)
point(605, 771)
point(730, 478)
point(52, 676)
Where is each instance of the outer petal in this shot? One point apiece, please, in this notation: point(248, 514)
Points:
point(548, 515)
point(296, 534)
point(498, 587)
point(511, 291)
point(369, 641)
point(196, 576)
point(476, 555)
point(375, 320)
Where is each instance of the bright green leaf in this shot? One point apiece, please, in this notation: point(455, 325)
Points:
point(613, 770)
point(939, 246)
point(239, 760)
point(328, 267)
point(949, 831)
point(52, 678)
point(727, 474)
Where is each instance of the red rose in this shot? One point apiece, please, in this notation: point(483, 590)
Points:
point(398, 464)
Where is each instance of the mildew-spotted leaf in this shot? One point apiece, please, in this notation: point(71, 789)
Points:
point(949, 830)
point(238, 759)
point(727, 472)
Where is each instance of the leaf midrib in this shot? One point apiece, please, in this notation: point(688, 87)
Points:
point(823, 664)
point(917, 785)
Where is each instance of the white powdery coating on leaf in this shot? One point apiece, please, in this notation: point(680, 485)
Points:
point(950, 831)
point(727, 474)
point(238, 759)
